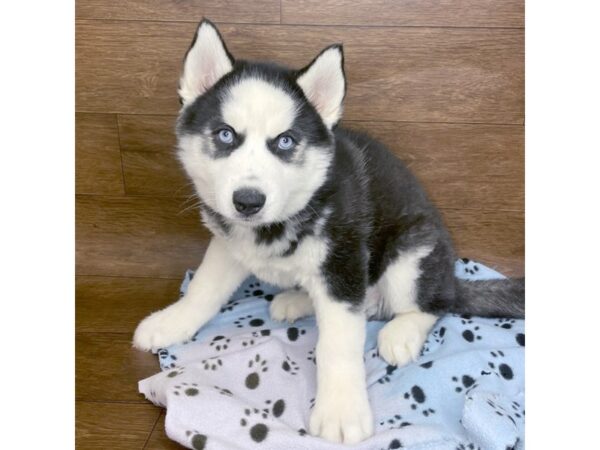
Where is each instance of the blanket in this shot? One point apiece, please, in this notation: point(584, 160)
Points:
point(244, 381)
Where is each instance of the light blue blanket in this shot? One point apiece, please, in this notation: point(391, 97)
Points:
point(247, 382)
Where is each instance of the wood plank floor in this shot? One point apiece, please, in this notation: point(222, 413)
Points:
point(440, 83)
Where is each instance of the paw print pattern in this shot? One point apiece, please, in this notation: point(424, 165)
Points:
point(472, 270)
point(470, 333)
point(261, 333)
point(224, 391)
point(463, 383)
point(229, 306)
point(256, 334)
point(247, 342)
point(258, 431)
point(520, 338)
point(191, 390)
point(311, 356)
point(517, 410)
point(293, 333)
point(175, 373)
point(254, 290)
point(258, 365)
point(311, 403)
point(166, 359)
point(211, 363)
point(290, 366)
point(197, 440)
point(389, 370)
point(508, 414)
point(394, 444)
point(469, 446)
point(507, 324)
point(500, 369)
point(276, 408)
point(248, 320)
point(394, 422)
point(436, 336)
point(417, 395)
point(220, 343)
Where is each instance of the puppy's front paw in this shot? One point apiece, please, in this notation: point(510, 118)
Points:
point(169, 326)
point(344, 417)
point(400, 341)
point(291, 305)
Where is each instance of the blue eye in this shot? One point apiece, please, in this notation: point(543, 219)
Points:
point(226, 136)
point(285, 143)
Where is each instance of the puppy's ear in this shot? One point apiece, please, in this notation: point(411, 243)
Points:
point(324, 83)
point(205, 63)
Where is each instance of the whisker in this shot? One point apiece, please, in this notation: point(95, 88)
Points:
point(190, 207)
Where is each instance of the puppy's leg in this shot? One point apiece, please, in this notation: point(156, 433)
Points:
point(342, 412)
point(291, 305)
point(401, 339)
point(215, 280)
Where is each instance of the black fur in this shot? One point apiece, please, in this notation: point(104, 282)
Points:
point(267, 234)
point(379, 211)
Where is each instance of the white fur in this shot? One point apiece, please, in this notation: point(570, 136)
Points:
point(291, 305)
point(342, 412)
point(324, 85)
point(258, 108)
point(215, 280)
point(374, 306)
point(402, 338)
point(261, 112)
point(398, 284)
point(205, 64)
point(267, 262)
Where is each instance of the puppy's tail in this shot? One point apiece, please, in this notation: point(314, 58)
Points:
point(491, 298)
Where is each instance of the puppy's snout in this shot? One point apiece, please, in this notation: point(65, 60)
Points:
point(248, 201)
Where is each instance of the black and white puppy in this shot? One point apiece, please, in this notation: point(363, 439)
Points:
point(328, 213)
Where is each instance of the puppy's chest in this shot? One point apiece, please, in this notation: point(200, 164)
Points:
point(284, 262)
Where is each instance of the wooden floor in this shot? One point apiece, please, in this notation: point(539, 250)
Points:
point(441, 83)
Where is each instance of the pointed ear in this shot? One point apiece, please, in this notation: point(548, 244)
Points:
point(324, 83)
point(205, 63)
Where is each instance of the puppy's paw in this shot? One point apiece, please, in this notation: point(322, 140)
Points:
point(291, 305)
point(400, 341)
point(342, 417)
point(172, 325)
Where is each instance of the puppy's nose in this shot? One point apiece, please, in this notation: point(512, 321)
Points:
point(248, 201)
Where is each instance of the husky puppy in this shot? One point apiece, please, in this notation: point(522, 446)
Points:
point(325, 212)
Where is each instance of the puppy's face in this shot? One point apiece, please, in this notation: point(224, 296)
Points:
point(256, 138)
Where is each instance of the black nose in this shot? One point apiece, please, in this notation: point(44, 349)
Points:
point(248, 201)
